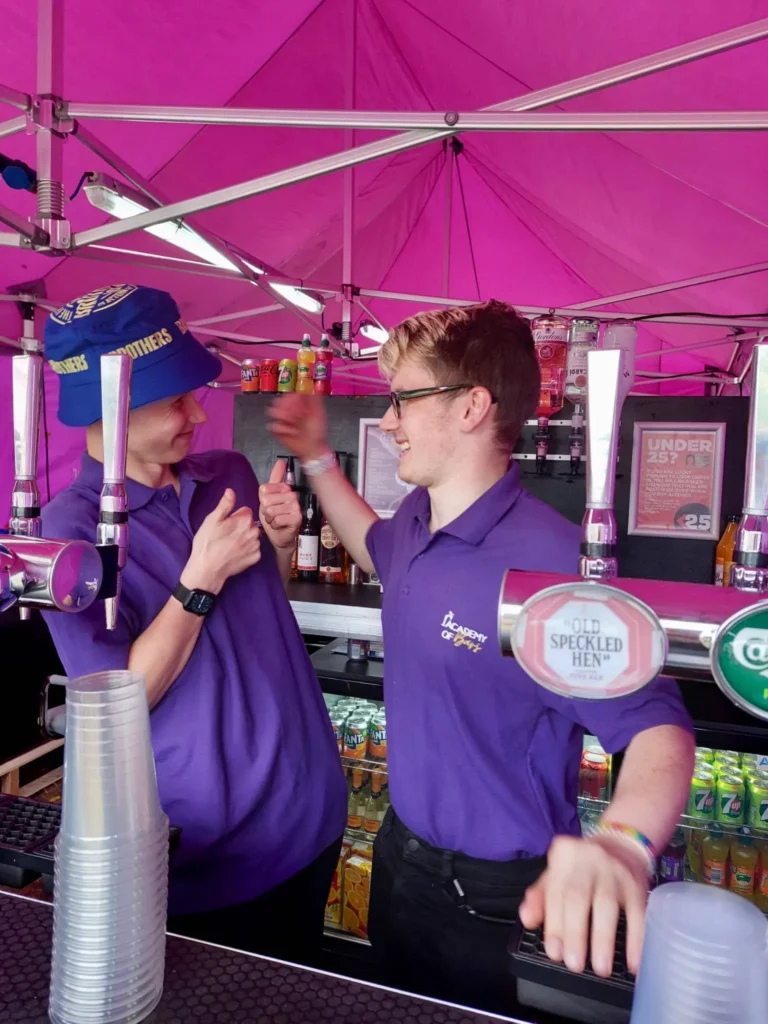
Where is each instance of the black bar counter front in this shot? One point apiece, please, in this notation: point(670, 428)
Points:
point(211, 984)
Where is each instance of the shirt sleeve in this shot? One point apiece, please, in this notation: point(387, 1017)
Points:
point(82, 640)
point(84, 643)
point(380, 541)
point(617, 721)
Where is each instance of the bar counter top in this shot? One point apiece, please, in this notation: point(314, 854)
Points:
point(336, 610)
point(211, 984)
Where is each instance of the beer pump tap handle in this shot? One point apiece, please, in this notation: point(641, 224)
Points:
point(27, 374)
point(598, 546)
point(750, 559)
point(113, 505)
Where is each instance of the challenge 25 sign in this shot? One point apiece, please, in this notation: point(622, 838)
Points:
point(677, 480)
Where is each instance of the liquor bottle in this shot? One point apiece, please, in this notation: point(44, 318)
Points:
point(290, 479)
point(309, 542)
point(583, 335)
point(334, 561)
point(356, 806)
point(550, 339)
point(374, 807)
point(724, 552)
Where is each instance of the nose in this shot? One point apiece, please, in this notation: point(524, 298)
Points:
point(196, 414)
point(389, 421)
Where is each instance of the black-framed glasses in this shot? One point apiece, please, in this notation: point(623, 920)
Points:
point(397, 398)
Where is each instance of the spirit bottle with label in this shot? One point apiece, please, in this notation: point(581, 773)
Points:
point(309, 542)
point(334, 561)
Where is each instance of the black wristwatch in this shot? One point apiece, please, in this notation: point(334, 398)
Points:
point(199, 602)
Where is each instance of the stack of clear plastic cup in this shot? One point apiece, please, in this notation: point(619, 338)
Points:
point(705, 959)
point(111, 867)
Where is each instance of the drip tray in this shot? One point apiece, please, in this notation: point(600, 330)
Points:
point(550, 986)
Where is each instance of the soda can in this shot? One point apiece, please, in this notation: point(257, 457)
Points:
point(357, 650)
point(356, 737)
point(269, 375)
point(728, 755)
point(286, 376)
point(758, 803)
point(731, 796)
point(705, 754)
point(594, 776)
point(337, 722)
point(250, 375)
point(701, 801)
point(377, 738)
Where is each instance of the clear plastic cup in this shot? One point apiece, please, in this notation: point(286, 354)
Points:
point(110, 785)
point(132, 1012)
point(705, 959)
point(127, 968)
point(111, 859)
point(135, 972)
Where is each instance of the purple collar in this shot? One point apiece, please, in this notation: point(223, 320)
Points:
point(197, 468)
point(476, 522)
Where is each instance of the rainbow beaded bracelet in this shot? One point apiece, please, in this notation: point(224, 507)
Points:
point(629, 835)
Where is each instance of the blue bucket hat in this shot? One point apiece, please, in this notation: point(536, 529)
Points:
point(143, 322)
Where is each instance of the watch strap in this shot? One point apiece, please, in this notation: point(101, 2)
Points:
point(198, 602)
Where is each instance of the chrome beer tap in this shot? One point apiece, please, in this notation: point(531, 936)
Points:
point(27, 376)
point(112, 530)
point(749, 572)
point(598, 545)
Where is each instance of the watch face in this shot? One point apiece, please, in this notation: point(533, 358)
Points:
point(199, 603)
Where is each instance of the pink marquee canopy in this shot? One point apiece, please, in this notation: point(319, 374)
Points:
point(558, 200)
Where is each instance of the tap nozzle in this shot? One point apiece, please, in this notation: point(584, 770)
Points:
point(112, 529)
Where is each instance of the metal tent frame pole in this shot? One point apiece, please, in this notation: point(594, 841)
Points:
point(428, 120)
point(671, 286)
point(156, 196)
point(14, 98)
point(12, 127)
point(543, 97)
point(348, 212)
point(667, 318)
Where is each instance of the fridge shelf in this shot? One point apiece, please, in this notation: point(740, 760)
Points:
point(352, 763)
point(359, 835)
point(592, 809)
point(337, 933)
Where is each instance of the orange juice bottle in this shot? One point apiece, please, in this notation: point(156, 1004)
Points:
point(724, 552)
point(305, 359)
point(714, 855)
point(743, 870)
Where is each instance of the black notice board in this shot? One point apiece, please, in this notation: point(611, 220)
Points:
point(253, 439)
point(662, 558)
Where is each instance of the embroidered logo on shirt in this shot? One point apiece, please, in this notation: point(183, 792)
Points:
point(462, 636)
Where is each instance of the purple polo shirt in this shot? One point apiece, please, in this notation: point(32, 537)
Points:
point(246, 760)
point(482, 760)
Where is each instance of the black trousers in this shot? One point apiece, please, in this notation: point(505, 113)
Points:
point(286, 922)
point(421, 921)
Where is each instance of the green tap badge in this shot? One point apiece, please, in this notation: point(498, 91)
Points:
point(739, 659)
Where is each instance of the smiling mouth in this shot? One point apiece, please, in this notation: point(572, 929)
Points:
point(404, 446)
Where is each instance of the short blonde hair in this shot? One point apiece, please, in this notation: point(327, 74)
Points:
point(488, 345)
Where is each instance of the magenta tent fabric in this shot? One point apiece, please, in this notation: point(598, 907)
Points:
point(536, 219)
